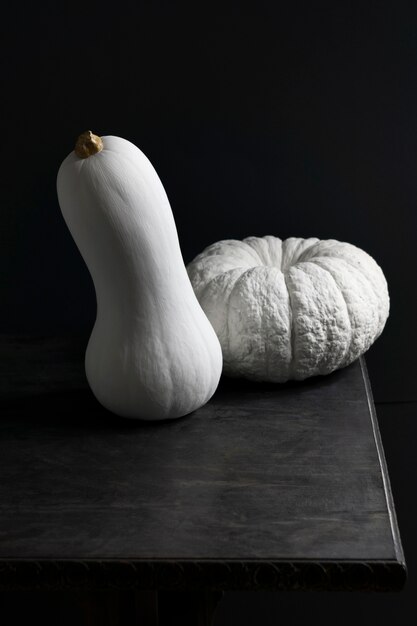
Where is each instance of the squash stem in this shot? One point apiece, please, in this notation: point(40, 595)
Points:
point(88, 144)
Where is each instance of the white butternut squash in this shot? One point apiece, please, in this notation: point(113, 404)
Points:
point(152, 353)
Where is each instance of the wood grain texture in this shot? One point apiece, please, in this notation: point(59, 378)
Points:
point(261, 488)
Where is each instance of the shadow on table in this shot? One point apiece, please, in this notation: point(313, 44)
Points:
point(48, 398)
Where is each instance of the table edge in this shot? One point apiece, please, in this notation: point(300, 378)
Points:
point(193, 574)
point(399, 552)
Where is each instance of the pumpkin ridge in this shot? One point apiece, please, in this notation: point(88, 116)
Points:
point(370, 282)
point(215, 277)
point(321, 363)
point(273, 271)
point(295, 254)
point(252, 249)
point(274, 242)
point(372, 331)
point(228, 324)
point(232, 291)
point(352, 315)
point(306, 250)
point(348, 345)
point(291, 366)
point(252, 242)
point(234, 245)
point(229, 351)
point(265, 342)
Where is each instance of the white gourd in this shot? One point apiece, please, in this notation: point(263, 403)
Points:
point(152, 353)
point(290, 309)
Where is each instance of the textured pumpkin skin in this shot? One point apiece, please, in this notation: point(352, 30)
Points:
point(290, 309)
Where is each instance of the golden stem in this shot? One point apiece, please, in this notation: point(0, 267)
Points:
point(88, 144)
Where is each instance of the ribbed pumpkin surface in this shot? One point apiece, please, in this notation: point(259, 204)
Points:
point(290, 309)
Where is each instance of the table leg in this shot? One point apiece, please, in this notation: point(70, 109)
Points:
point(146, 608)
point(108, 608)
point(150, 608)
point(187, 608)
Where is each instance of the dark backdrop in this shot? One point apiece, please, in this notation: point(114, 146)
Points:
point(259, 120)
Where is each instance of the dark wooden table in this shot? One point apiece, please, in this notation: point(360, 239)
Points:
point(266, 487)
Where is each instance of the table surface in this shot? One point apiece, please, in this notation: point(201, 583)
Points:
point(266, 487)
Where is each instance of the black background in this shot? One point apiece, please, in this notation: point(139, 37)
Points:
point(259, 119)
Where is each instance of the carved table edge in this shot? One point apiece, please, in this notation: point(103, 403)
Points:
point(188, 575)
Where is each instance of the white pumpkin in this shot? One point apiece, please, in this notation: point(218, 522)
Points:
point(290, 309)
point(152, 353)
